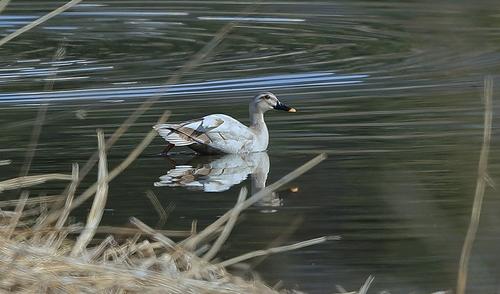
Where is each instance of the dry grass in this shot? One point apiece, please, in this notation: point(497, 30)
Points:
point(36, 22)
point(39, 256)
point(3, 4)
point(27, 181)
point(483, 180)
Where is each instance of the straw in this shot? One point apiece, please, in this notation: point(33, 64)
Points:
point(95, 215)
point(162, 213)
point(3, 4)
point(256, 253)
point(37, 22)
point(482, 181)
point(228, 227)
point(28, 181)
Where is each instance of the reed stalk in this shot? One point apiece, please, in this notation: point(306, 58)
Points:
point(482, 181)
point(38, 21)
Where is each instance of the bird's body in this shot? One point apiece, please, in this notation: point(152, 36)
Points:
point(220, 133)
point(214, 134)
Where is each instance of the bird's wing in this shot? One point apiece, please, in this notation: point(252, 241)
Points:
point(229, 137)
point(216, 130)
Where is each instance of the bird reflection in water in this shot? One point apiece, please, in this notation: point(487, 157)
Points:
point(218, 174)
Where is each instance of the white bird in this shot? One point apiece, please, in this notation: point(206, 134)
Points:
point(220, 133)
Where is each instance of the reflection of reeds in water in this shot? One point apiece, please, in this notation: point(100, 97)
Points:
point(40, 257)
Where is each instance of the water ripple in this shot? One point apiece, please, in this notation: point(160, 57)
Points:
point(266, 82)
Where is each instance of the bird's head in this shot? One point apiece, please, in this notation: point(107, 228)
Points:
point(266, 101)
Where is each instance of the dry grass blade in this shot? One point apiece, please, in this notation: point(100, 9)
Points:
point(35, 135)
point(3, 4)
point(342, 290)
point(30, 201)
point(69, 197)
point(482, 178)
point(76, 229)
point(17, 214)
point(194, 227)
point(40, 117)
point(5, 162)
point(97, 209)
point(162, 213)
point(285, 234)
point(191, 243)
point(363, 290)
point(28, 181)
point(97, 251)
point(228, 227)
point(115, 172)
point(253, 254)
point(148, 230)
point(67, 205)
point(39, 21)
point(133, 231)
point(366, 285)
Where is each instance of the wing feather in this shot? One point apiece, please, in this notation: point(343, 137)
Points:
point(190, 132)
point(217, 131)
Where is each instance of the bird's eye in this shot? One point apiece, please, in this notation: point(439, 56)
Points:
point(266, 97)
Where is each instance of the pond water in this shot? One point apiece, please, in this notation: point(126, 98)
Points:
point(391, 91)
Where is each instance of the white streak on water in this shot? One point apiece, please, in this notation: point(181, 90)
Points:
point(62, 28)
point(90, 5)
point(223, 86)
point(124, 13)
point(66, 79)
point(27, 60)
point(251, 19)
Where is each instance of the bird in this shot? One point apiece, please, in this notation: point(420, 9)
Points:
point(222, 134)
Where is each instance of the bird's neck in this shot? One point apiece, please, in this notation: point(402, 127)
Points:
point(258, 126)
point(256, 118)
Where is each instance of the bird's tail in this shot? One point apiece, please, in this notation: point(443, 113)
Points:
point(171, 134)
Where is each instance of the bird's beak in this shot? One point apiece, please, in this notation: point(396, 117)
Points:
point(281, 106)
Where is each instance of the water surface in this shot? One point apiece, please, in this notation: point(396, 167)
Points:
point(390, 90)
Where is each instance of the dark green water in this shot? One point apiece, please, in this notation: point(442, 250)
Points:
point(390, 90)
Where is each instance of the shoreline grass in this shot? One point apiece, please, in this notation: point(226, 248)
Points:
point(39, 256)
